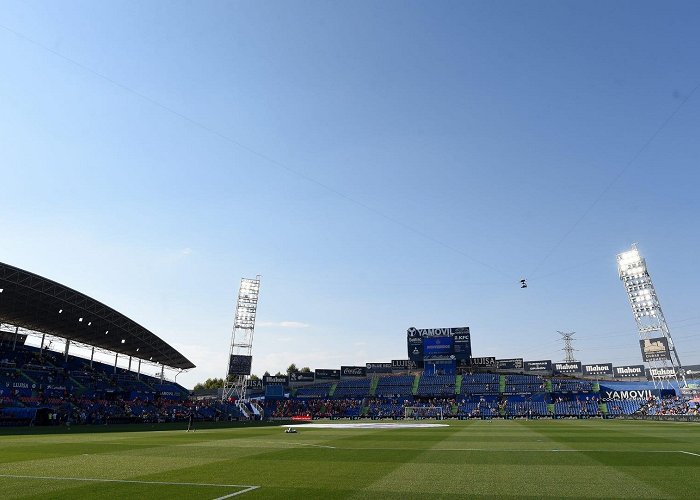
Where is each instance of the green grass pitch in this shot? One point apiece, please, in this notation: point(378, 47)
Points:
point(498, 459)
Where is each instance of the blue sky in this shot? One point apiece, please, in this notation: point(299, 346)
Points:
point(381, 165)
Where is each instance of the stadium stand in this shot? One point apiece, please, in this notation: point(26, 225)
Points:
point(475, 407)
point(39, 386)
point(436, 385)
point(522, 406)
point(523, 384)
point(395, 386)
point(571, 385)
point(669, 406)
point(387, 407)
point(577, 407)
point(624, 406)
point(314, 391)
point(353, 388)
point(480, 383)
point(44, 388)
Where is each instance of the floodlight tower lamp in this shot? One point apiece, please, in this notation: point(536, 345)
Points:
point(647, 312)
point(241, 338)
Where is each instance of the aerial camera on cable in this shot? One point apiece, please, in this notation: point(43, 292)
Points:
point(523, 283)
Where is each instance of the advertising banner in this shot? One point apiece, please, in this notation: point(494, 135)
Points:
point(484, 362)
point(402, 364)
point(275, 380)
point(254, 384)
point(629, 371)
point(353, 371)
point(510, 364)
point(692, 371)
point(655, 349)
point(239, 364)
point(573, 367)
point(301, 377)
point(612, 394)
point(462, 344)
point(660, 373)
point(543, 365)
point(598, 369)
point(415, 347)
point(378, 367)
point(327, 374)
point(437, 347)
point(439, 342)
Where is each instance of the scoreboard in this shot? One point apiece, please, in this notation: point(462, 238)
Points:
point(439, 344)
point(239, 364)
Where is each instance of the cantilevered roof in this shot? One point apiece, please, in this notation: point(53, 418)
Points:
point(30, 301)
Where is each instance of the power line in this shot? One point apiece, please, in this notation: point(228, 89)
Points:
point(255, 152)
point(617, 177)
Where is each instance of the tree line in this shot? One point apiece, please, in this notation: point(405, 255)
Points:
point(217, 383)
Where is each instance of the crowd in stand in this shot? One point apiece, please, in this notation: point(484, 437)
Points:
point(40, 386)
point(314, 408)
point(669, 406)
point(73, 391)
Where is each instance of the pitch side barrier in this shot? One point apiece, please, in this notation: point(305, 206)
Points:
point(446, 417)
point(662, 418)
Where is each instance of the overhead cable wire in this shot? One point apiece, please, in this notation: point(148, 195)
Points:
point(616, 178)
point(255, 152)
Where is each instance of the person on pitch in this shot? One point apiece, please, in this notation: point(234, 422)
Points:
point(190, 422)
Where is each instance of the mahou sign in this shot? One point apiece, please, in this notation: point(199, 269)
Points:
point(629, 371)
point(572, 367)
point(598, 369)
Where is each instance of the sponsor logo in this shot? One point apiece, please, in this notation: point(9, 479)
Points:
point(662, 372)
point(273, 379)
point(596, 368)
point(484, 361)
point(439, 332)
point(654, 345)
point(462, 337)
point(327, 374)
point(374, 366)
point(567, 366)
point(655, 349)
point(510, 364)
point(435, 332)
point(629, 371)
point(21, 385)
point(602, 368)
point(301, 418)
point(378, 367)
point(402, 363)
point(633, 394)
point(543, 365)
point(354, 370)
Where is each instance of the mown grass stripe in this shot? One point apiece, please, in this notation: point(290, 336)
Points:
point(126, 481)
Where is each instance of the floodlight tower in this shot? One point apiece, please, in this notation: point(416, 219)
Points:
point(568, 338)
point(240, 355)
point(658, 349)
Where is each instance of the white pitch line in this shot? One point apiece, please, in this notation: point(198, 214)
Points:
point(491, 450)
point(278, 445)
point(250, 488)
point(132, 481)
point(690, 453)
point(314, 445)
